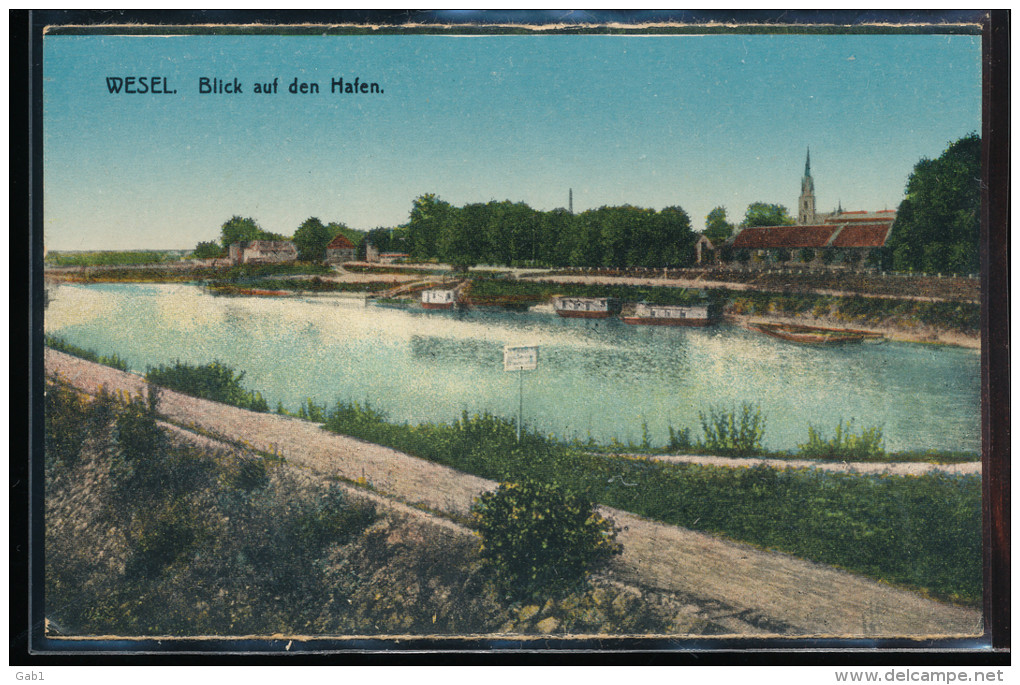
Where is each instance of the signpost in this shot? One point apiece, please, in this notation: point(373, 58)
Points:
point(520, 359)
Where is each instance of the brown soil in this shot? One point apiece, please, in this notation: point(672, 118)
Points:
point(757, 591)
point(919, 334)
point(902, 468)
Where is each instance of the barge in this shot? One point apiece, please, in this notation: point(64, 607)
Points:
point(438, 299)
point(587, 307)
point(669, 315)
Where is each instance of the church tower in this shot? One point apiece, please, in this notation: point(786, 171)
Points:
point(806, 210)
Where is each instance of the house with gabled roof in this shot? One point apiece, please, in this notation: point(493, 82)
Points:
point(341, 250)
point(262, 252)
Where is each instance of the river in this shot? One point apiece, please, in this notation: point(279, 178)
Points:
point(602, 379)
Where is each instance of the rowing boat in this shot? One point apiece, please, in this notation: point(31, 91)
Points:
point(812, 335)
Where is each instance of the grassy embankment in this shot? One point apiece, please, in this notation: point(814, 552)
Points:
point(185, 273)
point(108, 258)
point(923, 532)
point(58, 343)
point(147, 535)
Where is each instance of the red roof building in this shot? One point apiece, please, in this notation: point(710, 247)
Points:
point(863, 235)
point(340, 243)
point(843, 238)
point(340, 250)
point(784, 237)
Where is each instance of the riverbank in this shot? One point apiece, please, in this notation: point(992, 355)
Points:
point(891, 468)
point(919, 334)
point(806, 598)
point(903, 317)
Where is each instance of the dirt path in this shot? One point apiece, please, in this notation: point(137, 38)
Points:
point(762, 592)
point(728, 285)
point(900, 468)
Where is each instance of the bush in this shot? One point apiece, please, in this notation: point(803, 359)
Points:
point(332, 519)
point(137, 436)
point(161, 536)
point(213, 381)
point(845, 444)
point(58, 343)
point(539, 540)
point(725, 433)
point(70, 419)
point(679, 440)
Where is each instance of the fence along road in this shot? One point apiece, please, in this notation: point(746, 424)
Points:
point(762, 588)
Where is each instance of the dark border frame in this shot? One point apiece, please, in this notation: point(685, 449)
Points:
point(29, 647)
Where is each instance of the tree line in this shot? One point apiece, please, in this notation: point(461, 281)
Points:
point(936, 229)
point(310, 238)
point(512, 233)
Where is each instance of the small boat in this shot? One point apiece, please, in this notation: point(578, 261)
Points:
point(586, 307)
point(669, 315)
point(811, 335)
point(438, 299)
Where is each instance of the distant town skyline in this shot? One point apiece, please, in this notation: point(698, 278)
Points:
point(651, 121)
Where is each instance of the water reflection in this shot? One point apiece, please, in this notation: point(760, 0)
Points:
point(602, 378)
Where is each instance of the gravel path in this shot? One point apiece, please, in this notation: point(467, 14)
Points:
point(899, 468)
point(728, 285)
point(759, 592)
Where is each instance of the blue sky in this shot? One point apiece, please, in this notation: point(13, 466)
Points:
point(694, 121)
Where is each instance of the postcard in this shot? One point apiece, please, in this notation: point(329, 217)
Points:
point(496, 333)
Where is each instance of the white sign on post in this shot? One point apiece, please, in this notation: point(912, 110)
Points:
point(520, 358)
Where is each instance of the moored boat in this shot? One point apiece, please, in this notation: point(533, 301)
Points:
point(586, 307)
point(669, 315)
point(812, 335)
point(438, 299)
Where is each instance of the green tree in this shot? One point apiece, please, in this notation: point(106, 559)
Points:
point(717, 228)
point(238, 229)
point(208, 250)
point(765, 214)
point(311, 239)
point(428, 214)
point(387, 239)
point(937, 226)
point(460, 240)
point(541, 540)
point(676, 239)
point(554, 234)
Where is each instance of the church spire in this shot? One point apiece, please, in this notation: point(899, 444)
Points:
point(806, 205)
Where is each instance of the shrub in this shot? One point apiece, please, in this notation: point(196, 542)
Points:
point(332, 519)
point(245, 474)
point(213, 381)
point(846, 444)
point(310, 411)
point(679, 440)
point(161, 536)
point(538, 539)
point(726, 433)
point(354, 418)
point(58, 343)
point(137, 437)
